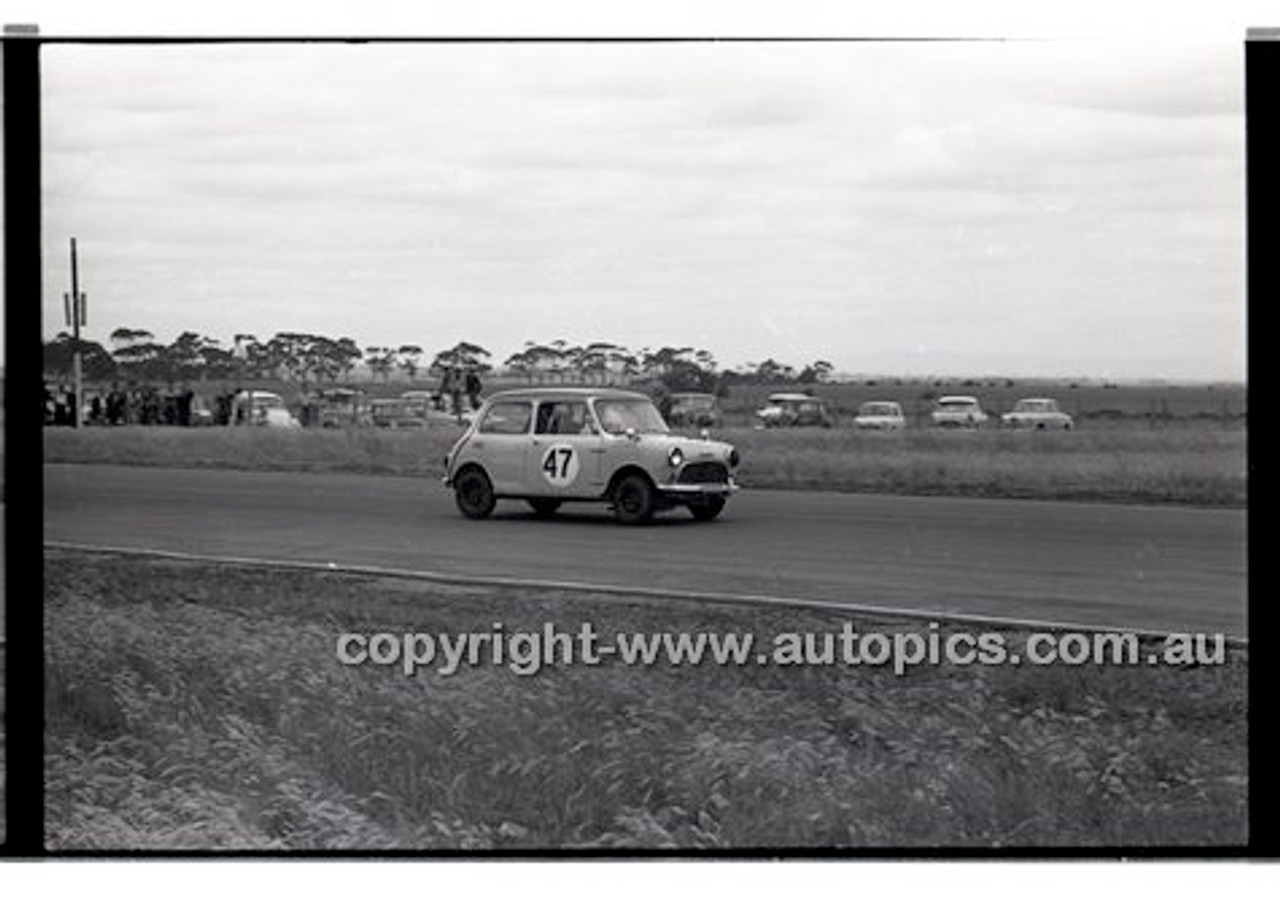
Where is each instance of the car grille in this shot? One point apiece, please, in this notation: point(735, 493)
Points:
point(704, 472)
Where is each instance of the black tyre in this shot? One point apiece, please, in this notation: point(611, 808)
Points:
point(544, 507)
point(474, 494)
point(633, 499)
point(708, 508)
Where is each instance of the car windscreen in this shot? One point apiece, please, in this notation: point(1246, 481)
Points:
point(957, 405)
point(619, 415)
point(1035, 405)
point(879, 409)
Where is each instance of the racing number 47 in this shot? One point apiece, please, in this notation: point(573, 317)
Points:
point(557, 470)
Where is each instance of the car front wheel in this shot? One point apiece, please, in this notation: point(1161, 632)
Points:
point(633, 500)
point(474, 494)
point(707, 509)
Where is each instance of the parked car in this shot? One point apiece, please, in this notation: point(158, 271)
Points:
point(1037, 414)
point(880, 416)
point(262, 409)
point(201, 412)
point(432, 408)
point(420, 400)
point(958, 411)
point(694, 409)
point(548, 446)
point(342, 407)
point(396, 414)
point(793, 409)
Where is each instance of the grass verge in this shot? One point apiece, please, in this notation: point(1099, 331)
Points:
point(198, 706)
point(1192, 465)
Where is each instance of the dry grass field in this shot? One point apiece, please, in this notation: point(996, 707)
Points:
point(191, 706)
point(1190, 464)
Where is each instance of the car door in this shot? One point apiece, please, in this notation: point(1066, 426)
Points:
point(501, 444)
point(564, 458)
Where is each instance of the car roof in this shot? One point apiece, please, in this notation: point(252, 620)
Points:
point(792, 397)
point(881, 402)
point(957, 399)
point(568, 392)
point(1037, 399)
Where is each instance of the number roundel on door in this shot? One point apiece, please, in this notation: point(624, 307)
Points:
point(560, 465)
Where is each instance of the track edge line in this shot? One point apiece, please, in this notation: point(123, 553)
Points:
point(738, 598)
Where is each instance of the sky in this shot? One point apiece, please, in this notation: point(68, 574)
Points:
point(1023, 208)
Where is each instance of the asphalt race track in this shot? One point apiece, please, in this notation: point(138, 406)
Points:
point(1145, 567)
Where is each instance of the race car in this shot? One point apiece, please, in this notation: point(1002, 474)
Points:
point(556, 445)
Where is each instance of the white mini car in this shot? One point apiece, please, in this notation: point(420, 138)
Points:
point(880, 416)
point(958, 411)
point(549, 446)
point(1037, 414)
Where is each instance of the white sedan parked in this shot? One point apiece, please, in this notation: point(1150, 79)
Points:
point(958, 411)
point(261, 409)
point(880, 416)
point(1037, 414)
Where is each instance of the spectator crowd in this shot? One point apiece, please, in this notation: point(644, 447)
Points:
point(146, 405)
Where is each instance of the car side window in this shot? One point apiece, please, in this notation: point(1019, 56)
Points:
point(564, 418)
point(511, 418)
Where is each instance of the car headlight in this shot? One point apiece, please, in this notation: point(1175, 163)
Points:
point(734, 458)
point(676, 457)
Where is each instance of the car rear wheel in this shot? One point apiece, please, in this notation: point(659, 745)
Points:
point(708, 508)
point(633, 499)
point(544, 507)
point(474, 494)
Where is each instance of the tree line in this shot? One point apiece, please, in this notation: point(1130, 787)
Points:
point(135, 354)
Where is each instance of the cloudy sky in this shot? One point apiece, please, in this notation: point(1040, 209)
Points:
point(1023, 208)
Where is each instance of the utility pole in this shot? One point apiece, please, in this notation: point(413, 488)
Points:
point(75, 305)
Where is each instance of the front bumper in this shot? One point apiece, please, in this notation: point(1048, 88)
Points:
point(688, 489)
